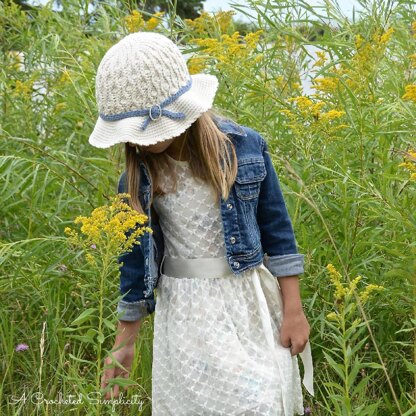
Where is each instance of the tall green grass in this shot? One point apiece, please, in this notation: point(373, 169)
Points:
point(337, 154)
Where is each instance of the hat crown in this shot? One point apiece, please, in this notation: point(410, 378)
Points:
point(140, 71)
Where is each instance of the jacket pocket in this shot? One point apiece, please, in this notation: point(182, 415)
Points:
point(250, 173)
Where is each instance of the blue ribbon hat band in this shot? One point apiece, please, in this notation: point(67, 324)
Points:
point(155, 112)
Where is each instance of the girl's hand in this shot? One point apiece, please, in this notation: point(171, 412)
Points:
point(294, 332)
point(125, 356)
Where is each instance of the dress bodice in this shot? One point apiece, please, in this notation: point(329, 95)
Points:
point(190, 218)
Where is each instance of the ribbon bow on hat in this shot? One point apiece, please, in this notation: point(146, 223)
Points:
point(155, 112)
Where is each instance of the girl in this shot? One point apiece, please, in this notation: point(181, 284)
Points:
point(228, 321)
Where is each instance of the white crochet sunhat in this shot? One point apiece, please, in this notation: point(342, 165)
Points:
point(145, 93)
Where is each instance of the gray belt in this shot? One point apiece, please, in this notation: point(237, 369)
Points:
point(200, 267)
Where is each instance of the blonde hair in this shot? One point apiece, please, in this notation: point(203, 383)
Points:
point(206, 145)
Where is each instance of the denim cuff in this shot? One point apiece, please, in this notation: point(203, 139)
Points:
point(285, 265)
point(133, 311)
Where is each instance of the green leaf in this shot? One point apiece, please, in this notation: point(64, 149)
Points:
point(337, 367)
point(373, 365)
point(84, 316)
point(100, 337)
point(109, 324)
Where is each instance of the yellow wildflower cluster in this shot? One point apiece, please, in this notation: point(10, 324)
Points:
point(360, 67)
point(343, 296)
point(234, 44)
point(414, 29)
point(326, 84)
point(196, 64)
point(60, 106)
point(336, 277)
point(366, 58)
point(365, 294)
point(331, 115)
point(332, 316)
point(306, 105)
point(309, 108)
point(346, 291)
point(65, 77)
point(107, 228)
point(309, 111)
point(23, 88)
point(322, 59)
point(413, 59)
point(209, 25)
point(384, 37)
point(410, 164)
point(410, 93)
point(135, 21)
point(230, 53)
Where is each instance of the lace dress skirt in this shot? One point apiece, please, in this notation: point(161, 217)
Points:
point(216, 353)
point(216, 348)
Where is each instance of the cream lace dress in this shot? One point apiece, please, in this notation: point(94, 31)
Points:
point(214, 352)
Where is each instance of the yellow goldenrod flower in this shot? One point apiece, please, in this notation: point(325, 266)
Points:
point(65, 77)
point(303, 103)
point(224, 19)
point(331, 115)
point(407, 165)
point(134, 21)
point(335, 278)
point(325, 84)
point(230, 51)
point(353, 285)
point(332, 316)
point(115, 227)
point(23, 88)
point(196, 65)
point(410, 92)
point(219, 22)
point(154, 21)
point(358, 41)
point(60, 106)
point(322, 58)
point(413, 59)
point(364, 295)
point(386, 36)
point(90, 259)
point(410, 164)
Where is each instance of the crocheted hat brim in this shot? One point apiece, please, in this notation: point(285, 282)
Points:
point(198, 99)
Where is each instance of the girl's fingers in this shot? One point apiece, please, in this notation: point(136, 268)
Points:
point(297, 348)
point(116, 391)
point(107, 374)
point(285, 340)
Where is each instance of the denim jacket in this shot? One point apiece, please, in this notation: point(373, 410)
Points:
point(255, 221)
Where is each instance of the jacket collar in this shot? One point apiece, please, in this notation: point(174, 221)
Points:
point(228, 126)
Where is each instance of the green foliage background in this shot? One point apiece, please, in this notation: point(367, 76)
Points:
point(337, 153)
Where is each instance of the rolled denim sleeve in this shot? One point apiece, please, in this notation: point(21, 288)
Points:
point(133, 305)
point(276, 231)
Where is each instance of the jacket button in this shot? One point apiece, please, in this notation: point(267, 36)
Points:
point(236, 264)
point(232, 240)
point(230, 206)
